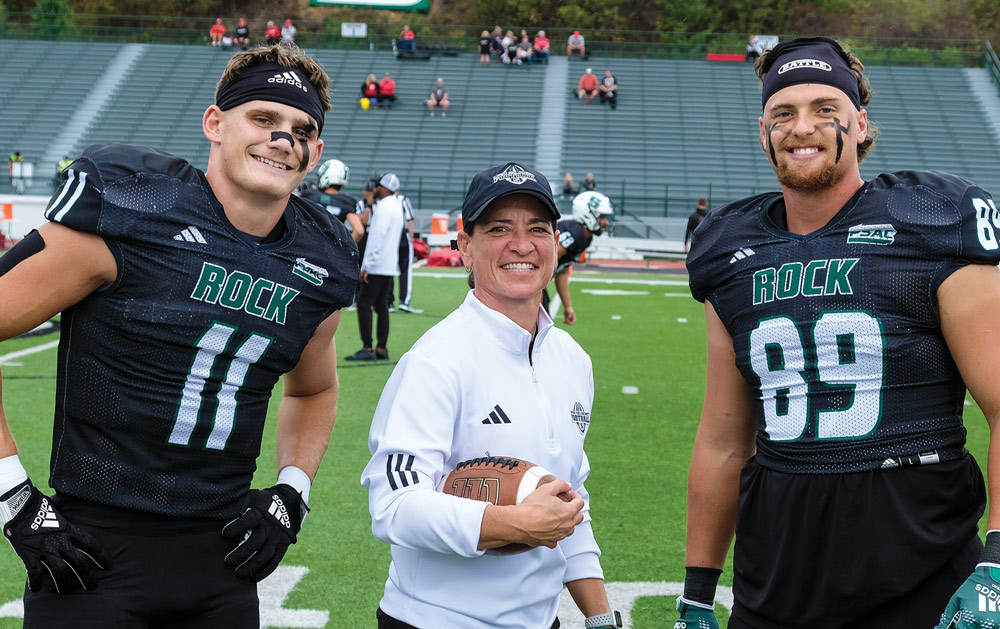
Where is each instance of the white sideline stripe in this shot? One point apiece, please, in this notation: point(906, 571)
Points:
point(688, 295)
point(681, 320)
point(612, 291)
point(27, 352)
point(630, 390)
point(616, 317)
point(554, 306)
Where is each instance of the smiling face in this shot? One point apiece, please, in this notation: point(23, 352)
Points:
point(512, 253)
point(811, 134)
point(260, 149)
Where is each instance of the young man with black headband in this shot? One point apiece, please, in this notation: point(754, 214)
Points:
point(184, 297)
point(845, 319)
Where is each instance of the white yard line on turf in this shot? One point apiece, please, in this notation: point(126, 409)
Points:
point(592, 280)
point(27, 352)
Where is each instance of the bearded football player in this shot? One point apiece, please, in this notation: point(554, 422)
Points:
point(845, 320)
point(184, 295)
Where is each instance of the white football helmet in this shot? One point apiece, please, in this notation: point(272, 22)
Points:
point(333, 172)
point(588, 207)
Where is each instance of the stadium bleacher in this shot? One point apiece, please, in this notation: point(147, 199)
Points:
point(683, 129)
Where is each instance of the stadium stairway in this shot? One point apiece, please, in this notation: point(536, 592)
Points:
point(552, 121)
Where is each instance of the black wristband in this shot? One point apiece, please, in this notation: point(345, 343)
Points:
point(991, 552)
point(700, 584)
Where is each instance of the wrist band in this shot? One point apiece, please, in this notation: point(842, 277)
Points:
point(700, 584)
point(12, 473)
point(299, 480)
point(612, 618)
point(991, 551)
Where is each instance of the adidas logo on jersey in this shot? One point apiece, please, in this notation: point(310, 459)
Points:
point(288, 78)
point(45, 518)
point(279, 512)
point(191, 234)
point(872, 234)
point(741, 253)
point(497, 416)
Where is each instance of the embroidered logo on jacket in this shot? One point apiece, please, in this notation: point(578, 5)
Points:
point(580, 417)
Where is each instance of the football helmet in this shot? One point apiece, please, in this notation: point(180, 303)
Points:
point(588, 207)
point(333, 172)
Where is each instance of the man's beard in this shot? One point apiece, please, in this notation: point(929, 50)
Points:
point(793, 179)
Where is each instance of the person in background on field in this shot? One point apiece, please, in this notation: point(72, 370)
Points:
point(242, 35)
point(160, 417)
point(442, 544)
point(15, 165)
point(331, 176)
point(695, 219)
point(831, 442)
point(273, 34)
point(217, 32)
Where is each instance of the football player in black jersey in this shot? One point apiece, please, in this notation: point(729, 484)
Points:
point(591, 216)
point(331, 176)
point(845, 319)
point(184, 296)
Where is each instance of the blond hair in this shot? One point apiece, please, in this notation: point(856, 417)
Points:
point(285, 54)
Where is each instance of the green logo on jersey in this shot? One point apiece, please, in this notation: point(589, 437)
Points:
point(872, 234)
point(259, 297)
point(309, 272)
point(809, 280)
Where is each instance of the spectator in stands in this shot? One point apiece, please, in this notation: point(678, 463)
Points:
point(407, 39)
point(576, 43)
point(288, 32)
point(568, 186)
point(609, 89)
point(387, 90)
point(589, 183)
point(695, 219)
point(242, 38)
point(15, 164)
point(370, 90)
point(754, 49)
point(509, 47)
point(541, 48)
point(217, 32)
point(63, 164)
point(439, 98)
point(524, 50)
point(273, 34)
point(484, 47)
point(496, 42)
point(587, 88)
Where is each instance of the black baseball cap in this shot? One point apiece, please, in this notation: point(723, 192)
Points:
point(499, 181)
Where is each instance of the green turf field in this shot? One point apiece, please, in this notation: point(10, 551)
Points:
point(644, 333)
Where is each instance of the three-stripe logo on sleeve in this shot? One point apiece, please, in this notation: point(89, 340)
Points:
point(399, 470)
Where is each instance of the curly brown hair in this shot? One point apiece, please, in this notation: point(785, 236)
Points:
point(764, 63)
point(285, 54)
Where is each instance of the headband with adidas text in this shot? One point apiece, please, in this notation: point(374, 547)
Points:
point(273, 82)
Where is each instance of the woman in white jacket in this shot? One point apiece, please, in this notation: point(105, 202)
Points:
point(497, 356)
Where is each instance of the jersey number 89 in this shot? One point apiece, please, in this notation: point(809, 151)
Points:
point(846, 351)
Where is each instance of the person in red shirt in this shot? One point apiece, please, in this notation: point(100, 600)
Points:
point(406, 39)
point(217, 32)
point(586, 89)
point(387, 90)
point(541, 48)
point(272, 34)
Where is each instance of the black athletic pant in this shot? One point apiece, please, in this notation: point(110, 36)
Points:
point(374, 295)
point(162, 573)
point(385, 621)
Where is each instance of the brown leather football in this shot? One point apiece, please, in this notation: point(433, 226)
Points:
point(502, 481)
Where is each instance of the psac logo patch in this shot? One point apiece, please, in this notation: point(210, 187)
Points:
point(884, 234)
point(309, 272)
point(814, 64)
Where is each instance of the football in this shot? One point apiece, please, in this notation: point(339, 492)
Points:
point(502, 481)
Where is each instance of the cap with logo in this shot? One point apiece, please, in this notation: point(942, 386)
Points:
point(809, 60)
point(389, 181)
point(497, 182)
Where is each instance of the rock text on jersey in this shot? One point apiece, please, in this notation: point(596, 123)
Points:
point(237, 290)
point(812, 279)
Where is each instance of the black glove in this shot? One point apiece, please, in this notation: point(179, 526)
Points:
point(271, 522)
point(42, 538)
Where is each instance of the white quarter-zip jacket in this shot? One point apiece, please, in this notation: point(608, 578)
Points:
point(474, 385)
point(382, 250)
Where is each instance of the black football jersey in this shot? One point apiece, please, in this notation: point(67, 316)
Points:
point(574, 239)
point(837, 331)
point(338, 205)
point(164, 376)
